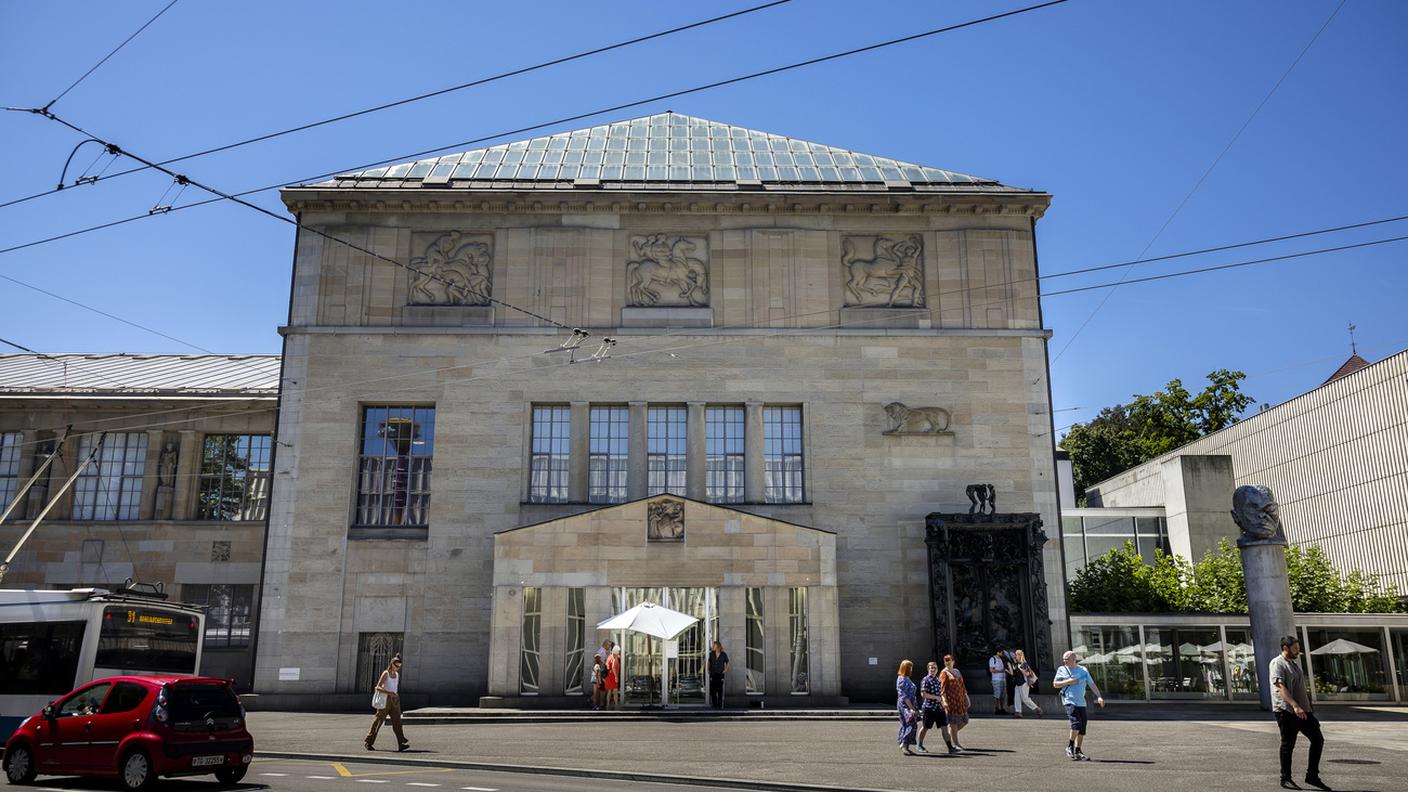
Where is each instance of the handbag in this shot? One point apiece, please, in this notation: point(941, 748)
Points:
point(378, 700)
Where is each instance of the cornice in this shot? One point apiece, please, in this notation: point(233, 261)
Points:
point(309, 199)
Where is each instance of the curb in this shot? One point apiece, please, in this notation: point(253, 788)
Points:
point(572, 772)
point(440, 720)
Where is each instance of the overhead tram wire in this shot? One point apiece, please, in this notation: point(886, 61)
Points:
point(566, 119)
point(124, 43)
point(1197, 185)
point(716, 339)
point(52, 359)
point(411, 99)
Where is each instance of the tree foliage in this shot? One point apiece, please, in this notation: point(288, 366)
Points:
point(1122, 436)
point(1120, 581)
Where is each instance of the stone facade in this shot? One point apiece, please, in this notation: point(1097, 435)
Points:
point(777, 329)
point(164, 540)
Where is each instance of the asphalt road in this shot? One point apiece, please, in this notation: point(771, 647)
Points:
point(293, 775)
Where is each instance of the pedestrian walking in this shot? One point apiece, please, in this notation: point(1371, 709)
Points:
point(953, 694)
point(1291, 705)
point(931, 708)
point(1072, 679)
point(613, 678)
point(1009, 664)
point(906, 706)
point(718, 671)
point(997, 671)
point(1026, 683)
point(386, 699)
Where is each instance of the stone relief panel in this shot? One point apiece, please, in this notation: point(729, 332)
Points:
point(906, 420)
point(884, 271)
point(453, 268)
point(665, 521)
point(667, 270)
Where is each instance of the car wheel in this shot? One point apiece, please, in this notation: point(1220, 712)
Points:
point(230, 775)
point(136, 771)
point(19, 765)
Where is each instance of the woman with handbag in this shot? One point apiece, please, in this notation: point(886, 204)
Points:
point(386, 700)
point(1026, 682)
point(906, 706)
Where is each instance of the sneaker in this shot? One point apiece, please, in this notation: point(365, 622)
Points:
point(369, 746)
point(1287, 783)
point(921, 749)
point(1081, 756)
point(1070, 752)
point(954, 750)
point(1317, 783)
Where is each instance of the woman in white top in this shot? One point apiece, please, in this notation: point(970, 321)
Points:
point(1026, 677)
point(387, 701)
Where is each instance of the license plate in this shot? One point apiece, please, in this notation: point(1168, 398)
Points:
point(205, 761)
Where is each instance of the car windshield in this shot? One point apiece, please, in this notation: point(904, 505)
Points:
point(200, 701)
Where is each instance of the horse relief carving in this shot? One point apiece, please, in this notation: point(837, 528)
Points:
point(906, 420)
point(665, 521)
point(454, 270)
point(884, 271)
point(665, 272)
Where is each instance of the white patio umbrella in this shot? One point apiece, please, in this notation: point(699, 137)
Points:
point(1340, 646)
point(656, 621)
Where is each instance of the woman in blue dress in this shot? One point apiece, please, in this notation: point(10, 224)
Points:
point(907, 707)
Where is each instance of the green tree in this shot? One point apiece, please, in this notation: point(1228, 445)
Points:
point(1122, 436)
point(1217, 584)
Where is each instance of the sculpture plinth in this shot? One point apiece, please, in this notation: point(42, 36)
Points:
point(987, 585)
point(1263, 545)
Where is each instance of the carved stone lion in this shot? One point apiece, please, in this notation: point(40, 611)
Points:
point(1256, 512)
point(665, 521)
point(452, 272)
point(664, 273)
point(916, 420)
point(889, 273)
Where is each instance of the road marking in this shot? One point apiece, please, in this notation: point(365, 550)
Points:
point(345, 773)
point(275, 775)
point(323, 778)
point(420, 783)
point(372, 781)
point(480, 789)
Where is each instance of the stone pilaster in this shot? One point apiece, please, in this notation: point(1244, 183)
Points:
point(695, 452)
point(753, 452)
point(580, 445)
point(636, 442)
point(188, 464)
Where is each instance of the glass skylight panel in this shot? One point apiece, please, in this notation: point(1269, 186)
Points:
point(798, 145)
point(763, 159)
point(637, 144)
point(891, 174)
point(553, 157)
point(679, 144)
point(513, 157)
point(747, 172)
point(808, 173)
point(374, 173)
point(616, 157)
point(596, 143)
point(657, 158)
point(576, 143)
point(870, 174)
point(779, 144)
point(829, 174)
point(767, 173)
point(548, 172)
point(518, 145)
point(442, 170)
point(494, 156)
point(533, 157)
point(615, 144)
point(507, 172)
point(611, 172)
point(679, 172)
point(420, 169)
point(464, 170)
point(782, 158)
point(655, 173)
point(743, 158)
point(590, 172)
point(635, 157)
point(912, 173)
point(679, 158)
point(537, 144)
point(619, 130)
point(484, 171)
point(863, 159)
point(399, 171)
point(557, 143)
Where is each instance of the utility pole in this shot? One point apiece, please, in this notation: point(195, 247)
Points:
point(19, 496)
point(97, 448)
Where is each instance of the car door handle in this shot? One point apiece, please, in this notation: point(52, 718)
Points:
point(88, 726)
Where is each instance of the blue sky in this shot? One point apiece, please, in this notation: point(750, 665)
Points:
point(1116, 108)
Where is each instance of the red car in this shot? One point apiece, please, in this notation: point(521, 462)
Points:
point(136, 728)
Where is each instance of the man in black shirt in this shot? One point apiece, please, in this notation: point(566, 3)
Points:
point(718, 669)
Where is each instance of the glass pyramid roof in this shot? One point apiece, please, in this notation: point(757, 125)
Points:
point(666, 151)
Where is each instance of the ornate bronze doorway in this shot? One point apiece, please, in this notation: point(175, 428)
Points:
point(987, 585)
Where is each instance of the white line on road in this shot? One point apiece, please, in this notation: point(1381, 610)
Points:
point(480, 789)
point(372, 781)
point(323, 778)
point(275, 775)
point(420, 783)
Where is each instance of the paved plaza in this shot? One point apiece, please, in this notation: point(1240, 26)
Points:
point(1194, 747)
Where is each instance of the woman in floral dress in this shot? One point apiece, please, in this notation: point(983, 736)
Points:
point(907, 706)
point(954, 695)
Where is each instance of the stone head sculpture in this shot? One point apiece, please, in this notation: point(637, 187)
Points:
point(1255, 511)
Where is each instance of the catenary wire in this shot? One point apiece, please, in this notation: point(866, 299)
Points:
point(637, 103)
point(1197, 185)
point(420, 97)
point(124, 43)
point(718, 339)
point(51, 359)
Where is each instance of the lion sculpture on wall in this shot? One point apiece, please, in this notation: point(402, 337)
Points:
point(916, 420)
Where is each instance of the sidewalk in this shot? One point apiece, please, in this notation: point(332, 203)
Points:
point(1168, 748)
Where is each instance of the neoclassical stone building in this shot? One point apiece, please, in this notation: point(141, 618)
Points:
point(813, 349)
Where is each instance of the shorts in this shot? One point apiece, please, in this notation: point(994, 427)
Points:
point(999, 688)
point(1077, 718)
point(934, 717)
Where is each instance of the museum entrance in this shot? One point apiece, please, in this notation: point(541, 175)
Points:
point(987, 588)
point(686, 656)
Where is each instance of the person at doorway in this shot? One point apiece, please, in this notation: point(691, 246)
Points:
point(931, 708)
point(1009, 664)
point(1072, 679)
point(613, 678)
point(1290, 703)
point(906, 706)
point(997, 672)
point(718, 672)
point(1026, 682)
point(602, 653)
point(386, 698)
point(953, 695)
point(598, 682)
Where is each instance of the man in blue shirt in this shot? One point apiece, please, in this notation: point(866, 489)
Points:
point(1072, 680)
